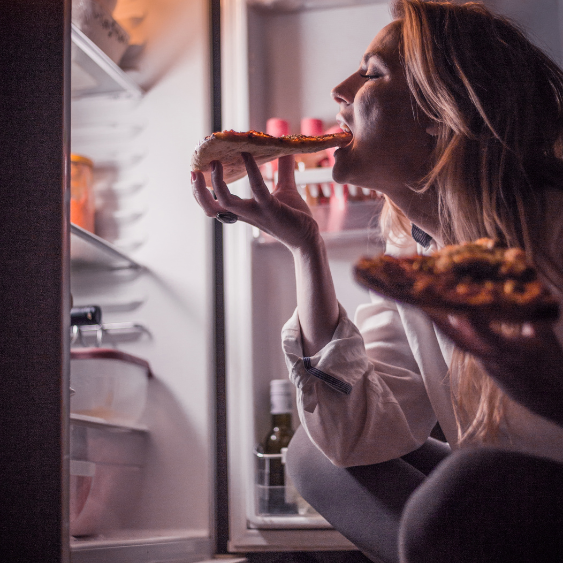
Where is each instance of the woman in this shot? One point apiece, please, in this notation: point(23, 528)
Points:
point(458, 120)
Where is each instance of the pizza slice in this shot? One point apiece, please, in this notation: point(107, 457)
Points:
point(227, 146)
point(471, 277)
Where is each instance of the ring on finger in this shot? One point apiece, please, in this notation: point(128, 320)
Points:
point(226, 217)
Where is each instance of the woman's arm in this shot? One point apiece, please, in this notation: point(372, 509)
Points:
point(386, 412)
point(284, 215)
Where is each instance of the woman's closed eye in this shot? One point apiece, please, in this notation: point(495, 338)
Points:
point(372, 76)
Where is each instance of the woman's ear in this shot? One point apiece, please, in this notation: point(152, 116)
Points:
point(433, 129)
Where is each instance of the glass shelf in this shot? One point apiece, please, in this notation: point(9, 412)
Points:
point(341, 224)
point(355, 222)
point(88, 251)
point(298, 5)
point(100, 423)
point(94, 73)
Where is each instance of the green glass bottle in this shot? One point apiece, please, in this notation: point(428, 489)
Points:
point(276, 441)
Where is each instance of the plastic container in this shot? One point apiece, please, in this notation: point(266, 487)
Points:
point(106, 475)
point(97, 23)
point(82, 208)
point(108, 384)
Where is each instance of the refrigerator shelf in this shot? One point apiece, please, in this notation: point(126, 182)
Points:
point(100, 423)
point(288, 523)
point(332, 239)
point(284, 6)
point(144, 546)
point(94, 73)
point(341, 222)
point(89, 251)
point(107, 333)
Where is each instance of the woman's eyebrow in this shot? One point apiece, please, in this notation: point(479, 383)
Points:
point(373, 55)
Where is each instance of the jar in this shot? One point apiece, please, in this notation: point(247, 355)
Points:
point(81, 196)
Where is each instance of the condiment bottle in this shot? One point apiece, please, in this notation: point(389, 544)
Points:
point(276, 127)
point(81, 196)
point(315, 194)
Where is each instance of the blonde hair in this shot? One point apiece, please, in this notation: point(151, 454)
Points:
point(497, 102)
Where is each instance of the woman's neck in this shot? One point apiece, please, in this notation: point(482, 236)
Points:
point(422, 210)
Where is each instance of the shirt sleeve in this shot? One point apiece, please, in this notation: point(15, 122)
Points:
point(382, 412)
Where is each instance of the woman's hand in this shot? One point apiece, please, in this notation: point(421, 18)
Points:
point(525, 360)
point(282, 214)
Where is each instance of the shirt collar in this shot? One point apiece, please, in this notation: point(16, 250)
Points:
point(422, 238)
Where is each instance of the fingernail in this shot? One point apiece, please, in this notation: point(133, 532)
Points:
point(193, 176)
point(213, 165)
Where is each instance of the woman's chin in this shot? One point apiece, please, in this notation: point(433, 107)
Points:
point(340, 174)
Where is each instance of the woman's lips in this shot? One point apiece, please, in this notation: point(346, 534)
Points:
point(348, 139)
point(346, 129)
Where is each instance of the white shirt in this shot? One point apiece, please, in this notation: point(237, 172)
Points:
point(396, 362)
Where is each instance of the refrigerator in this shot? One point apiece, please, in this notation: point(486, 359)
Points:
point(202, 304)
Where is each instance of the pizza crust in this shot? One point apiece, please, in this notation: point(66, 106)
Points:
point(227, 146)
point(468, 278)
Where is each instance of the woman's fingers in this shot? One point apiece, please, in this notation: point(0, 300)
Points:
point(468, 333)
point(203, 195)
point(224, 196)
point(491, 339)
point(212, 207)
point(257, 184)
point(286, 172)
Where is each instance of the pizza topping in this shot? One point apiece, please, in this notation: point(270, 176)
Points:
point(478, 275)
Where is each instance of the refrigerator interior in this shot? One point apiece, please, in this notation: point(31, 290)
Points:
point(148, 266)
point(281, 59)
point(280, 62)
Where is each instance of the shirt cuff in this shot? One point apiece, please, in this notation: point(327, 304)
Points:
point(334, 382)
point(339, 364)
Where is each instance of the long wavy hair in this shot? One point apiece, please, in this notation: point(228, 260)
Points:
point(497, 102)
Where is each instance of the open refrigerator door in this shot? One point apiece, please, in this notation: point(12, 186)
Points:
point(142, 486)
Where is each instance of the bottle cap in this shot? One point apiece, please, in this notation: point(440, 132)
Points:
point(277, 127)
point(280, 386)
point(311, 126)
point(280, 396)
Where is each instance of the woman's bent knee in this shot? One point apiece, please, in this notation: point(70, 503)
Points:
point(485, 506)
point(304, 465)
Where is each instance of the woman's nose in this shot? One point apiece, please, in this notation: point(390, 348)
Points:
point(344, 93)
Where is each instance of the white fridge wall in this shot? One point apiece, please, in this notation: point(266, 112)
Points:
point(173, 296)
point(542, 20)
point(297, 58)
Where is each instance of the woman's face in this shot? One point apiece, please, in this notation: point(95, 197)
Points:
point(391, 147)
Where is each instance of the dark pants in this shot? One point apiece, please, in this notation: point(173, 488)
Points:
point(479, 505)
